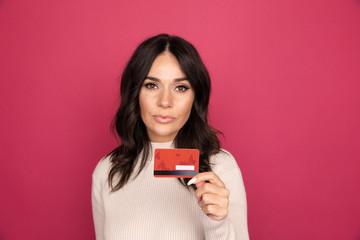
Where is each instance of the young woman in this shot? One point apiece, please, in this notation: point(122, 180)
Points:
point(165, 90)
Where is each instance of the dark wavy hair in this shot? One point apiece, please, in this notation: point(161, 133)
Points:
point(196, 133)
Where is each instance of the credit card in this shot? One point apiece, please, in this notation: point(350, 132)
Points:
point(179, 163)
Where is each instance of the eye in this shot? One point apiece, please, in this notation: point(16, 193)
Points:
point(181, 88)
point(150, 85)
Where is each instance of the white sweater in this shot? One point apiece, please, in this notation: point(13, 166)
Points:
point(161, 208)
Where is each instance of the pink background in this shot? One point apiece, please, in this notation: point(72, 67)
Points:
point(285, 94)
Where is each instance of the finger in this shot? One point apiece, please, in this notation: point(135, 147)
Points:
point(213, 200)
point(211, 189)
point(206, 176)
point(199, 184)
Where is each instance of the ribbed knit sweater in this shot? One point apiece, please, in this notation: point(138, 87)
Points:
point(161, 208)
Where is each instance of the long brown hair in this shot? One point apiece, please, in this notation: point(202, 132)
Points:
point(196, 133)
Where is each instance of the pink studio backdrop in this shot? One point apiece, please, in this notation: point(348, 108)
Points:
point(285, 94)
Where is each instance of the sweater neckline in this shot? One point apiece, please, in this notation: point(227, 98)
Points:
point(162, 144)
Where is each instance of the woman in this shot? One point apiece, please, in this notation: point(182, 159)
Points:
point(165, 90)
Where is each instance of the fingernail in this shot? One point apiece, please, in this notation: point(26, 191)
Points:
point(191, 181)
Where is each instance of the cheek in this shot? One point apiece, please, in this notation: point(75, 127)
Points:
point(187, 106)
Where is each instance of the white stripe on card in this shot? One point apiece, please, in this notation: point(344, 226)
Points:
point(184, 167)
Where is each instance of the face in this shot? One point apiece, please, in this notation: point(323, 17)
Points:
point(166, 99)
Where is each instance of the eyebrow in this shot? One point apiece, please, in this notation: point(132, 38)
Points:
point(176, 79)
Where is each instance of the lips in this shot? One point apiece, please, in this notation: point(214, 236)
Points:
point(163, 118)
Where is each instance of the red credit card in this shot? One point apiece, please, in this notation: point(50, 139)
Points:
point(179, 163)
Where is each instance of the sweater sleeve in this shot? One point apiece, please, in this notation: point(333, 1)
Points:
point(97, 200)
point(234, 226)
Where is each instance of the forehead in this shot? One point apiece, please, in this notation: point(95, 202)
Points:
point(166, 66)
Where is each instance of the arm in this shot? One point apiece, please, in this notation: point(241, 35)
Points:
point(223, 200)
point(97, 209)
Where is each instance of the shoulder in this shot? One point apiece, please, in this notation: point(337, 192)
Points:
point(102, 169)
point(223, 157)
point(223, 162)
point(224, 165)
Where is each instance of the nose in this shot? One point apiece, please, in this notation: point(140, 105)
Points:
point(165, 99)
